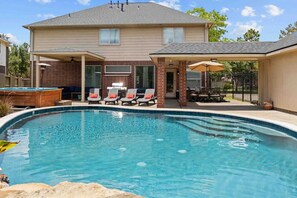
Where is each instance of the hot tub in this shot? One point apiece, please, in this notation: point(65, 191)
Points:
point(30, 96)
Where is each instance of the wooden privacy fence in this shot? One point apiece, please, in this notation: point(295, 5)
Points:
point(12, 81)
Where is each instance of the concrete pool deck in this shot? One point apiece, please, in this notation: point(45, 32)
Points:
point(232, 107)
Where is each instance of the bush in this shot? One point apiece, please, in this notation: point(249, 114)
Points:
point(5, 106)
point(227, 86)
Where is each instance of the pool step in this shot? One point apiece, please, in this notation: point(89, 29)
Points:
point(209, 123)
point(211, 132)
point(214, 126)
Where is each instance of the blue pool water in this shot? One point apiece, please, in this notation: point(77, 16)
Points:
point(27, 88)
point(154, 155)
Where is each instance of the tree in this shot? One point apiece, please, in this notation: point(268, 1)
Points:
point(291, 28)
point(251, 35)
point(14, 61)
point(19, 60)
point(217, 30)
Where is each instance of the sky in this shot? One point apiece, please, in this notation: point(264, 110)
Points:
point(266, 16)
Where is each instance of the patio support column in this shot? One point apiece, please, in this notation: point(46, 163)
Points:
point(183, 83)
point(37, 71)
point(161, 82)
point(83, 77)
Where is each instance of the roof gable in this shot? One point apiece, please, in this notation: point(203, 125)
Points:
point(133, 14)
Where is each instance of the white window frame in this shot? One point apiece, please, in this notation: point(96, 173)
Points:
point(145, 66)
point(173, 34)
point(105, 70)
point(109, 36)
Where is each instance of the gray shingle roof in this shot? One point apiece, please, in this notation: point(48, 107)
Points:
point(134, 14)
point(228, 48)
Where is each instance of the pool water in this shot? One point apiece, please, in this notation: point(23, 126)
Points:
point(154, 155)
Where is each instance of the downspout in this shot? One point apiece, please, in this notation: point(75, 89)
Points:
point(32, 57)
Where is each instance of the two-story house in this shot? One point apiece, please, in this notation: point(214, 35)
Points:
point(4, 52)
point(111, 43)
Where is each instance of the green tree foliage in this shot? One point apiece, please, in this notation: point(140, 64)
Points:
point(288, 30)
point(218, 28)
point(251, 35)
point(19, 60)
point(235, 67)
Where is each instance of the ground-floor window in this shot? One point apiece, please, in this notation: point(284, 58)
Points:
point(144, 76)
point(93, 76)
point(193, 79)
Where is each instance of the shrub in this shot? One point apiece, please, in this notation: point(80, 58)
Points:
point(5, 106)
point(227, 86)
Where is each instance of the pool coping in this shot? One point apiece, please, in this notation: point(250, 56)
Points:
point(11, 119)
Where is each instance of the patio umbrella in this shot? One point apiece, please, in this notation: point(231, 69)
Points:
point(207, 66)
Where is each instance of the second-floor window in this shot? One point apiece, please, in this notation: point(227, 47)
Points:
point(173, 35)
point(109, 37)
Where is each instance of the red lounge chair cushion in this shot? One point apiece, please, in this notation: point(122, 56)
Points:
point(93, 95)
point(112, 95)
point(148, 96)
point(130, 96)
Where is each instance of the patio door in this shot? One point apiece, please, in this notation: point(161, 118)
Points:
point(170, 83)
point(93, 76)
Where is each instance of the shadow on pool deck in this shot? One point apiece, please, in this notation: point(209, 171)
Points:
point(222, 106)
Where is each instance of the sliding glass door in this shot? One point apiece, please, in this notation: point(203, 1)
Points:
point(144, 76)
point(93, 76)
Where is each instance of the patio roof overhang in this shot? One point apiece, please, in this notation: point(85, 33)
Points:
point(66, 54)
point(203, 57)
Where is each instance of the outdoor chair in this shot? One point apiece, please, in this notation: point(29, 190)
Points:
point(94, 96)
point(148, 96)
point(193, 94)
point(130, 96)
point(113, 96)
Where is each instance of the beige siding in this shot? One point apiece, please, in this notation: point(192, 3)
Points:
point(136, 43)
point(278, 81)
point(194, 34)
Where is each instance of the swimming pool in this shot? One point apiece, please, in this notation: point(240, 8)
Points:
point(32, 96)
point(157, 154)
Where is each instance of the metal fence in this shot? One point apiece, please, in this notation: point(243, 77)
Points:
point(245, 86)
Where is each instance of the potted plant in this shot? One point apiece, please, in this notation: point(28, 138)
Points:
point(268, 104)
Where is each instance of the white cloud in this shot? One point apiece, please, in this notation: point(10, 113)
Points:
point(84, 2)
point(175, 4)
point(228, 23)
point(248, 11)
point(43, 1)
point(263, 16)
point(274, 10)
point(224, 10)
point(241, 28)
point(45, 16)
point(12, 38)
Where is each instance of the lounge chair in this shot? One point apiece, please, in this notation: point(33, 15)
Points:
point(148, 96)
point(94, 96)
point(130, 96)
point(113, 96)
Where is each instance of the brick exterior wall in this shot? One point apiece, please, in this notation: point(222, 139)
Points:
point(69, 74)
point(161, 82)
point(182, 83)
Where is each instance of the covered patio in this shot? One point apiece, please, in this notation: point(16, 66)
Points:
point(64, 55)
point(183, 55)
